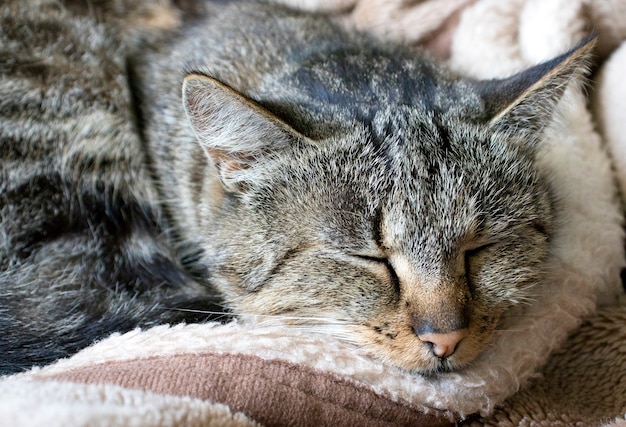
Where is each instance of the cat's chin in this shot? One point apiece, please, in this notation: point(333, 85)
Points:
point(425, 365)
point(442, 368)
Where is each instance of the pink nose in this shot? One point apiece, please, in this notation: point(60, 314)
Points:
point(444, 345)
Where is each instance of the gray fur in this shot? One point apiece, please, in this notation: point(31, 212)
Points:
point(83, 248)
point(310, 176)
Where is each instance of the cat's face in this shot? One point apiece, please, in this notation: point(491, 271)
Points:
point(414, 235)
point(380, 240)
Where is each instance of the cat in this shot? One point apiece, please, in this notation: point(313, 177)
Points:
point(83, 248)
point(267, 163)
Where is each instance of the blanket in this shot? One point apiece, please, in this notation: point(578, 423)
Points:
point(563, 364)
point(233, 375)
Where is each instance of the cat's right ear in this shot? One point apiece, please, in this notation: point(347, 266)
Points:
point(237, 134)
point(523, 104)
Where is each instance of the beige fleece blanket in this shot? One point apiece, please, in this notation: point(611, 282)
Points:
point(214, 374)
point(565, 364)
point(230, 375)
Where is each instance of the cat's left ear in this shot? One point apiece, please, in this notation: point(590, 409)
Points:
point(524, 103)
point(239, 135)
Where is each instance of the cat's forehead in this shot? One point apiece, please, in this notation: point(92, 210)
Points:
point(416, 165)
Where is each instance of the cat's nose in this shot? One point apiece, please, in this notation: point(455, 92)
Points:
point(443, 344)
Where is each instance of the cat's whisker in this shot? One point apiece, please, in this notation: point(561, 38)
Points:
point(338, 328)
point(526, 316)
point(189, 310)
point(213, 316)
point(508, 330)
point(272, 318)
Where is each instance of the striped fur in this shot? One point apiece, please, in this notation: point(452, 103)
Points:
point(83, 250)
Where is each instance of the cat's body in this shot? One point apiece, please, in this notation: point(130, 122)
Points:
point(82, 246)
point(340, 184)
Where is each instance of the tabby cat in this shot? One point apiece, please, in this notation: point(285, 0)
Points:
point(266, 163)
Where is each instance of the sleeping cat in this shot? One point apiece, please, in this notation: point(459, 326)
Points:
point(276, 167)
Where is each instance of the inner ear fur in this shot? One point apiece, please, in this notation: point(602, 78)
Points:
point(237, 133)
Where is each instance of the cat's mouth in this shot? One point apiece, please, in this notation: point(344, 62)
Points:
point(428, 354)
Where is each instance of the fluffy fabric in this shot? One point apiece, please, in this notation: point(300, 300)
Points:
point(610, 105)
point(583, 382)
point(533, 374)
point(214, 374)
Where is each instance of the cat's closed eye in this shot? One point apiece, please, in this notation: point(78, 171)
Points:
point(386, 263)
point(473, 259)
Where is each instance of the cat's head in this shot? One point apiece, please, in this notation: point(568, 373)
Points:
point(413, 235)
